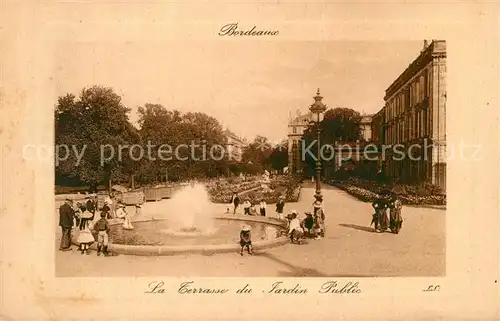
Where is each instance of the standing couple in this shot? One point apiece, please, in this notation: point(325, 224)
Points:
point(391, 201)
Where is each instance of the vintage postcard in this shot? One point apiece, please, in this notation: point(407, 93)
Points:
point(248, 160)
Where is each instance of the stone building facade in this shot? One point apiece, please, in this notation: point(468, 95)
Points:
point(414, 120)
point(365, 124)
point(298, 124)
point(296, 127)
point(234, 146)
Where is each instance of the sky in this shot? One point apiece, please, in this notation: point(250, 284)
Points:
point(250, 87)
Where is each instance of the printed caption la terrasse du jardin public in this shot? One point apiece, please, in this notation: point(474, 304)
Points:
point(278, 287)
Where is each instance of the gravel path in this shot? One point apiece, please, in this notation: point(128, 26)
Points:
point(350, 248)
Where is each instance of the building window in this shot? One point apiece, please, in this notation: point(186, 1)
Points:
point(295, 130)
point(429, 82)
point(426, 83)
point(412, 128)
point(403, 138)
point(422, 88)
point(424, 122)
point(410, 96)
point(417, 125)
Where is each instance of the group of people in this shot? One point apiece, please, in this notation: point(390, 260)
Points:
point(82, 216)
point(250, 209)
point(387, 201)
point(312, 226)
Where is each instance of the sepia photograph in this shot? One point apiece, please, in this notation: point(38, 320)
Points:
point(254, 159)
point(249, 160)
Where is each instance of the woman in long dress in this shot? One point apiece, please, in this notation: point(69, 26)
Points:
point(380, 217)
point(319, 223)
point(395, 207)
point(121, 213)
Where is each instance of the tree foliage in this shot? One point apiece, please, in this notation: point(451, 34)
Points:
point(339, 125)
point(255, 155)
point(278, 159)
point(96, 119)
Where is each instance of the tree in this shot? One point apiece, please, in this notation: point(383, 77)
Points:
point(207, 135)
point(256, 154)
point(338, 125)
point(96, 122)
point(341, 124)
point(188, 138)
point(278, 159)
point(160, 127)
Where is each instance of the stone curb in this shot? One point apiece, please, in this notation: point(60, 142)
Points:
point(167, 250)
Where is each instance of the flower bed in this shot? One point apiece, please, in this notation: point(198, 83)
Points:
point(222, 191)
point(368, 191)
point(283, 185)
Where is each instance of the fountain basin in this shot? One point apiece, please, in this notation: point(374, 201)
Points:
point(158, 241)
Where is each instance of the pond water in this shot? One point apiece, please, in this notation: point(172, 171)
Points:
point(158, 233)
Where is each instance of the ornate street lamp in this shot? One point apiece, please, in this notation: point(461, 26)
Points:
point(317, 109)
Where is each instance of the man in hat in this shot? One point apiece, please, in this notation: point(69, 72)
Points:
point(90, 205)
point(235, 200)
point(66, 217)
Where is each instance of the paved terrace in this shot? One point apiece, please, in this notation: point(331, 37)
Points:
point(350, 249)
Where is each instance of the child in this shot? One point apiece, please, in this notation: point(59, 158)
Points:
point(263, 206)
point(102, 229)
point(295, 232)
point(318, 203)
point(246, 207)
point(279, 207)
point(246, 239)
point(308, 223)
point(85, 238)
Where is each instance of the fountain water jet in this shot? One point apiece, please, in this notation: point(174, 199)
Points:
point(191, 212)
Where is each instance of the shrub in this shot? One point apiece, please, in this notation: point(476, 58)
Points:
point(423, 194)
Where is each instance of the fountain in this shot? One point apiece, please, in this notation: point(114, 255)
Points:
point(193, 216)
point(189, 223)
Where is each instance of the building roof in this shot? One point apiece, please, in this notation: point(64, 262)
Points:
point(233, 136)
point(300, 119)
point(437, 48)
point(365, 119)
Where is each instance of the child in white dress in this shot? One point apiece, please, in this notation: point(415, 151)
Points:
point(121, 213)
point(85, 237)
